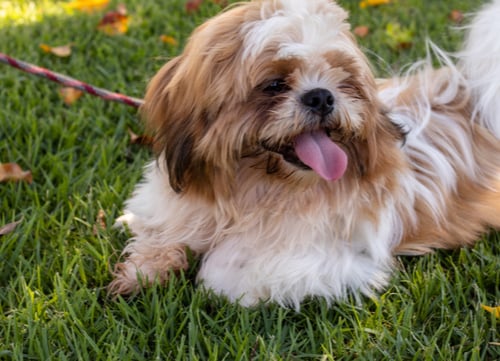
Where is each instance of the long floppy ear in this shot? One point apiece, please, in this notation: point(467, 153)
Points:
point(177, 114)
point(171, 116)
point(156, 99)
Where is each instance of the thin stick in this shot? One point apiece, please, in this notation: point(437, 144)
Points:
point(70, 82)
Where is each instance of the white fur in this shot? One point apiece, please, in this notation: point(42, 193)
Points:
point(251, 258)
point(298, 259)
point(479, 61)
point(153, 206)
point(299, 27)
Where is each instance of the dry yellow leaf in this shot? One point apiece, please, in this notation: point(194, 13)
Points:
point(114, 23)
point(363, 4)
point(8, 228)
point(361, 31)
point(100, 222)
point(88, 6)
point(60, 51)
point(399, 37)
point(456, 16)
point(167, 39)
point(70, 95)
point(46, 48)
point(493, 310)
point(13, 172)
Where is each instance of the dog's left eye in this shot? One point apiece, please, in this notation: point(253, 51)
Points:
point(276, 86)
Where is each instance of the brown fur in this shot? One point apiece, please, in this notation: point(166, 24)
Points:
point(474, 207)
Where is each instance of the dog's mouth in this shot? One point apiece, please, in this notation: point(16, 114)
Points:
point(314, 150)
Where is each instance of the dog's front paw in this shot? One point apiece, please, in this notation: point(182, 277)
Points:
point(126, 279)
point(145, 266)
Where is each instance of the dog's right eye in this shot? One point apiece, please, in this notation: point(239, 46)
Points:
point(276, 86)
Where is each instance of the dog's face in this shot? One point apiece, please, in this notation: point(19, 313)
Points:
point(279, 87)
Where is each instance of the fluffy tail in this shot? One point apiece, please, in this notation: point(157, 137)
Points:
point(480, 63)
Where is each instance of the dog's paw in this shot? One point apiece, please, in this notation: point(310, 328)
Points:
point(126, 280)
point(145, 266)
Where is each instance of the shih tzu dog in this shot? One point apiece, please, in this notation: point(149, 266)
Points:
point(291, 172)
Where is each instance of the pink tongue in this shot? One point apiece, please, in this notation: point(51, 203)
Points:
point(321, 154)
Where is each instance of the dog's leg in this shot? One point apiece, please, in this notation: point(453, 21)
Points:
point(164, 226)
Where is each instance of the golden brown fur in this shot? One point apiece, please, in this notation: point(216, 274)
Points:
point(471, 209)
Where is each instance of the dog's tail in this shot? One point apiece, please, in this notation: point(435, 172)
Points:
point(480, 63)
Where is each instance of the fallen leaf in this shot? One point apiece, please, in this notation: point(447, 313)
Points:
point(456, 16)
point(361, 31)
point(493, 310)
point(114, 22)
point(193, 5)
point(100, 222)
point(363, 4)
point(62, 51)
point(101, 218)
point(167, 39)
point(398, 36)
point(140, 139)
point(88, 6)
point(13, 172)
point(8, 228)
point(70, 95)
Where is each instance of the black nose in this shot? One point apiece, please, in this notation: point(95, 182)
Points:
point(319, 100)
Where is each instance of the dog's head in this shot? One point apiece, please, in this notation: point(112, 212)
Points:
point(276, 85)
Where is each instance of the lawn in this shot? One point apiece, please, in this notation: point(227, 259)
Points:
point(54, 267)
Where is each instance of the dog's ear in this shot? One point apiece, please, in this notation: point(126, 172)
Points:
point(174, 111)
point(155, 107)
point(171, 116)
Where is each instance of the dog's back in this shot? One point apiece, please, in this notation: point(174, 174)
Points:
point(452, 119)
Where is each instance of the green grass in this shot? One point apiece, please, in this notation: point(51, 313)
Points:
point(54, 267)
